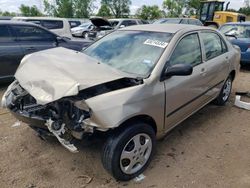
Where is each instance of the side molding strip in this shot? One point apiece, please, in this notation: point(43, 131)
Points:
point(184, 105)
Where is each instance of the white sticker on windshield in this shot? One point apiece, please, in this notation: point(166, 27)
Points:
point(156, 43)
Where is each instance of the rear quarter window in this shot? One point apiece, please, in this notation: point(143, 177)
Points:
point(74, 23)
point(38, 22)
point(214, 46)
point(5, 35)
point(129, 23)
point(184, 21)
point(52, 24)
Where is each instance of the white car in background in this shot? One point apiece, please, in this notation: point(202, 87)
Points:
point(82, 30)
point(60, 26)
point(104, 26)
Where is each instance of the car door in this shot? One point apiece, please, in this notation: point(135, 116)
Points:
point(185, 94)
point(10, 53)
point(216, 61)
point(34, 38)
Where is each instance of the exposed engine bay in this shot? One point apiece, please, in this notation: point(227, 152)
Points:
point(64, 118)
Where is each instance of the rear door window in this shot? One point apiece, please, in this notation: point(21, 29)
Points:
point(192, 22)
point(32, 33)
point(187, 51)
point(214, 45)
point(38, 22)
point(184, 21)
point(129, 23)
point(5, 35)
point(74, 23)
point(52, 24)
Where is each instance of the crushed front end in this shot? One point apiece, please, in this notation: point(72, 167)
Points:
point(63, 118)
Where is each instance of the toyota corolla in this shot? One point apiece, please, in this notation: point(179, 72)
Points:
point(135, 85)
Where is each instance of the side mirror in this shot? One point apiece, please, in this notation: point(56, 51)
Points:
point(122, 26)
point(177, 70)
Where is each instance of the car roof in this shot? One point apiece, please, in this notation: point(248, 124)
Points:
point(166, 28)
point(39, 18)
point(238, 23)
point(120, 19)
point(178, 19)
point(11, 22)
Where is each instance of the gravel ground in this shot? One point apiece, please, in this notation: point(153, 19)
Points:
point(210, 149)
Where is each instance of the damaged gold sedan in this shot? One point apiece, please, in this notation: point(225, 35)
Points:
point(135, 84)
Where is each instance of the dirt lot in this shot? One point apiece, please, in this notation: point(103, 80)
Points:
point(210, 149)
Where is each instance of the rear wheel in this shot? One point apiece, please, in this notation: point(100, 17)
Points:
point(127, 153)
point(225, 92)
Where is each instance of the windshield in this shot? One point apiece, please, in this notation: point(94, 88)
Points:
point(240, 31)
point(204, 9)
point(173, 21)
point(85, 25)
point(113, 23)
point(134, 52)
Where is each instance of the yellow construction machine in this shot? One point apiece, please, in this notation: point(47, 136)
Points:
point(213, 13)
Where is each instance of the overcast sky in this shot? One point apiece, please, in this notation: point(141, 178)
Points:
point(13, 5)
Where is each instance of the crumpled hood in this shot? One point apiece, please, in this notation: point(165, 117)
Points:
point(52, 74)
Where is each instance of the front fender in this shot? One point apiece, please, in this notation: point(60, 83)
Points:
point(110, 110)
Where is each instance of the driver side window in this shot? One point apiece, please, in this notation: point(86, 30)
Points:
point(188, 51)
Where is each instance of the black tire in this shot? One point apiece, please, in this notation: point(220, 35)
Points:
point(115, 145)
point(222, 98)
point(83, 34)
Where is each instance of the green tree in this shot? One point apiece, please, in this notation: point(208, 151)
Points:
point(119, 8)
point(245, 10)
point(231, 10)
point(193, 6)
point(60, 8)
point(174, 7)
point(104, 11)
point(49, 8)
point(69, 8)
point(64, 8)
point(29, 11)
point(83, 9)
point(7, 13)
point(149, 12)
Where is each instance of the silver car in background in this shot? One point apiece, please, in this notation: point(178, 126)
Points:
point(82, 30)
point(104, 26)
point(134, 85)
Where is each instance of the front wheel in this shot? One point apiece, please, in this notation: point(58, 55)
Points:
point(225, 92)
point(127, 153)
point(84, 34)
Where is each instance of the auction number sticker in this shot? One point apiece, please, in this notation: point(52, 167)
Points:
point(156, 43)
